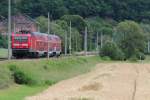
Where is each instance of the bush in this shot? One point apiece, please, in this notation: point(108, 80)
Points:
point(106, 58)
point(140, 56)
point(49, 82)
point(133, 58)
point(111, 50)
point(19, 76)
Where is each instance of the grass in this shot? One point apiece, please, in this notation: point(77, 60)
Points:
point(18, 92)
point(3, 53)
point(54, 70)
point(5, 77)
point(43, 72)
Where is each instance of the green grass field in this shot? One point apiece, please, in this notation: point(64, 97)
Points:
point(3, 53)
point(18, 92)
point(44, 73)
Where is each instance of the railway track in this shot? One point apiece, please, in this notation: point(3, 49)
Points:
point(62, 56)
point(18, 59)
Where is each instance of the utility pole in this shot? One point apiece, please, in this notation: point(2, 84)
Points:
point(66, 43)
point(148, 47)
point(101, 39)
point(97, 40)
point(76, 43)
point(48, 36)
point(9, 29)
point(70, 45)
point(14, 28)
point(85, 41)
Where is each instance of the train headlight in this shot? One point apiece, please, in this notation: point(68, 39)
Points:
point(16, 44)
point(24, 44)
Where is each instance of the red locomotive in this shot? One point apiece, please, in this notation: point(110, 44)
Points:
point(35, 44)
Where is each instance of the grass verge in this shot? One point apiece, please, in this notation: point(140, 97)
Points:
point(3, 53)
point(42, 72)
point(18, 92)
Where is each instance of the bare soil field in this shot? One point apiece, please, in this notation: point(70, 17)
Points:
point(110, 81)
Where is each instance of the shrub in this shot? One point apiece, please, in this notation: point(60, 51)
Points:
point(140, 56)
point(22, 78)
point(133, 58)
point(111, 50)
point(12, 68)
point(106, 58)
point(19, 76)
point(49, 82)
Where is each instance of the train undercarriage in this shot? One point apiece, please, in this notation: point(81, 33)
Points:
point(21, 53)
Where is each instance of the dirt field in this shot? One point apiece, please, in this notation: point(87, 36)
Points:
point(115, 81)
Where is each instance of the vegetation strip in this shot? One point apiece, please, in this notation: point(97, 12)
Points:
point(37, 73)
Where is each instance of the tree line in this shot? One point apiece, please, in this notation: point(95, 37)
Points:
point(138, 10)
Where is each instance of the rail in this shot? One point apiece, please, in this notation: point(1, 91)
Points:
point(62, 56)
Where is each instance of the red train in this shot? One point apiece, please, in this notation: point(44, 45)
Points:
point(35, 44)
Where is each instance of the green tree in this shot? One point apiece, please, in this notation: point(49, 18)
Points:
point(3, 41)
point(100, 26)
point(130, 38)
point(37, 8)
point(43, 23)
point(146, 32)
point(76, 20)
point(76, 36)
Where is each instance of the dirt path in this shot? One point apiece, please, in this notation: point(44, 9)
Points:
point(115, 81)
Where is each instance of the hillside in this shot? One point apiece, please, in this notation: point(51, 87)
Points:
point(116, 9)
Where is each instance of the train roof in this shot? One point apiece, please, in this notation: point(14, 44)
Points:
point(44, 34)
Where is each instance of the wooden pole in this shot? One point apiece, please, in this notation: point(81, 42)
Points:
point(148, 47)
point(101, 39)
point(85, 41)
point(97, 40)
point(48, 35)
point(70, 45)
point(76, 43)
point(66, 43)
point(9, 29)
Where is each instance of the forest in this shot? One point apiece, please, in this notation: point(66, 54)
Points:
point(123, 25)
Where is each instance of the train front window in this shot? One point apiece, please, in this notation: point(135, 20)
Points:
point(24, 39)
point(21, 39)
